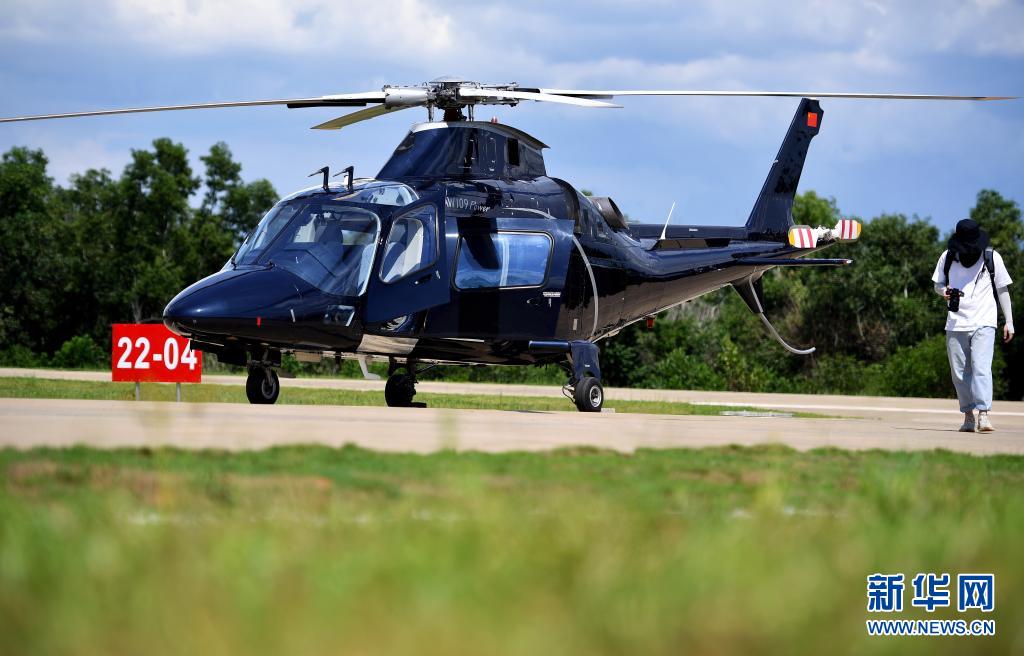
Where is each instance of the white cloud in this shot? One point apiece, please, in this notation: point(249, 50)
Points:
point(892, 26)
point(385, 28)
point(525, 37)
point(193, 50)
point(70, 155)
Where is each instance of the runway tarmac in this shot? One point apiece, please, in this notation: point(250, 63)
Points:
point(871, 423)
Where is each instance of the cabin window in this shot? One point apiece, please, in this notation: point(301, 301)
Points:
point(411, 244)
point(502, 260)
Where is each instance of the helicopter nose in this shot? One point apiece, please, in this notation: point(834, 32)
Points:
point(234, 302)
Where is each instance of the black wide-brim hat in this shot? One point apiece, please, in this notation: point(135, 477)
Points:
point(968, 240)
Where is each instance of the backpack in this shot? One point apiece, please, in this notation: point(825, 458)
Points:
point(990, 264)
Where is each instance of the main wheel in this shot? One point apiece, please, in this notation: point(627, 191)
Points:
point(399, 390)
point(588, 395)
point(262, 386)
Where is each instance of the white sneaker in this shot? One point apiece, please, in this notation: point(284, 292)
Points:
point(984, 425)
point(968, 425)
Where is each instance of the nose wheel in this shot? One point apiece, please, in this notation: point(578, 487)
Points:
point(262, 386)
point(401, 387)
point(399, 390)
point(401, 384)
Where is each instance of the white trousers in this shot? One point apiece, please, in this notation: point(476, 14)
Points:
point(970, 363)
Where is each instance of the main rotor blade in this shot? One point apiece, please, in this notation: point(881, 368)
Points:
point(599, 93)
point(510, 94)
point(340, 100)
point(355, 117)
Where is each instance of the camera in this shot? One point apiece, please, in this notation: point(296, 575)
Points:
point(954, 299)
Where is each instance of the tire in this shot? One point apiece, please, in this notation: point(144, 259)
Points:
point(260, 390)
point(588, 395)
point(399, 390)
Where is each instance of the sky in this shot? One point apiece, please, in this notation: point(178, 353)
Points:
point(709, 156)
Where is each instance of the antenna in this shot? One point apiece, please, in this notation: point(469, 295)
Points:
point(351, 170)
point(326, 171)
point(665, 229)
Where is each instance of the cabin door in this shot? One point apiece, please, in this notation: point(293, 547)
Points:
point(411, 272)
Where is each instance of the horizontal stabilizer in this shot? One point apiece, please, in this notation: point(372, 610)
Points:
point(806, 237)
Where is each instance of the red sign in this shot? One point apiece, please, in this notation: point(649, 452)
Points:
point(149, 353)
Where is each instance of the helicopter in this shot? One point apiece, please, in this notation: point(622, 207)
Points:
point(463, 250)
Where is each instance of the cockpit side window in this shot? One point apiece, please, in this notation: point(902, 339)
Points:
point(411, 245)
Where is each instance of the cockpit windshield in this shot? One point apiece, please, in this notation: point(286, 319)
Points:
point(329, 246)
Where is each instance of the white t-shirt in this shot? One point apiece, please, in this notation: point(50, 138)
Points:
point(978, 304)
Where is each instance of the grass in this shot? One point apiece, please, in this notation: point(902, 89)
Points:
point(209, 393)
point(311, 550)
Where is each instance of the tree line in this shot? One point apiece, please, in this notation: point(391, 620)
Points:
point(878, 325)
point(104, 250)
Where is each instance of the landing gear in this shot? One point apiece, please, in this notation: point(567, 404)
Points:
point(401, 387)
point(262, 386)
point(399, 390)
point(584, 369)
point(588, 395)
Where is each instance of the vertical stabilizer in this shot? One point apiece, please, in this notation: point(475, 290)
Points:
point(772, 215)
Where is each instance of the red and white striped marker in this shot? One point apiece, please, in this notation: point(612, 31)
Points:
point(848, 230)
point(802, 237)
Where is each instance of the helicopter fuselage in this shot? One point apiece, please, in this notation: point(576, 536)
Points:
point(522, 267)
point(462, 250)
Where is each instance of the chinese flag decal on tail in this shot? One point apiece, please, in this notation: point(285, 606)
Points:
point(812, 120)
point(802, 237)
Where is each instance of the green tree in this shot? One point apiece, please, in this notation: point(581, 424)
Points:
point(239, 204)
point(88, 203)
point(230, 209)
point(35, 250)
point(880, 303)
point(104, 249)
point(150, 229)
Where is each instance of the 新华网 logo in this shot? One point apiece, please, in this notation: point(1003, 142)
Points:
point(974, 592)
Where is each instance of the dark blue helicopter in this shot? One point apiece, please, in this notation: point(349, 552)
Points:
point(463, 250)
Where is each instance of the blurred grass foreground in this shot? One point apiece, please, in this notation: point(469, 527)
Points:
point(310, 550)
